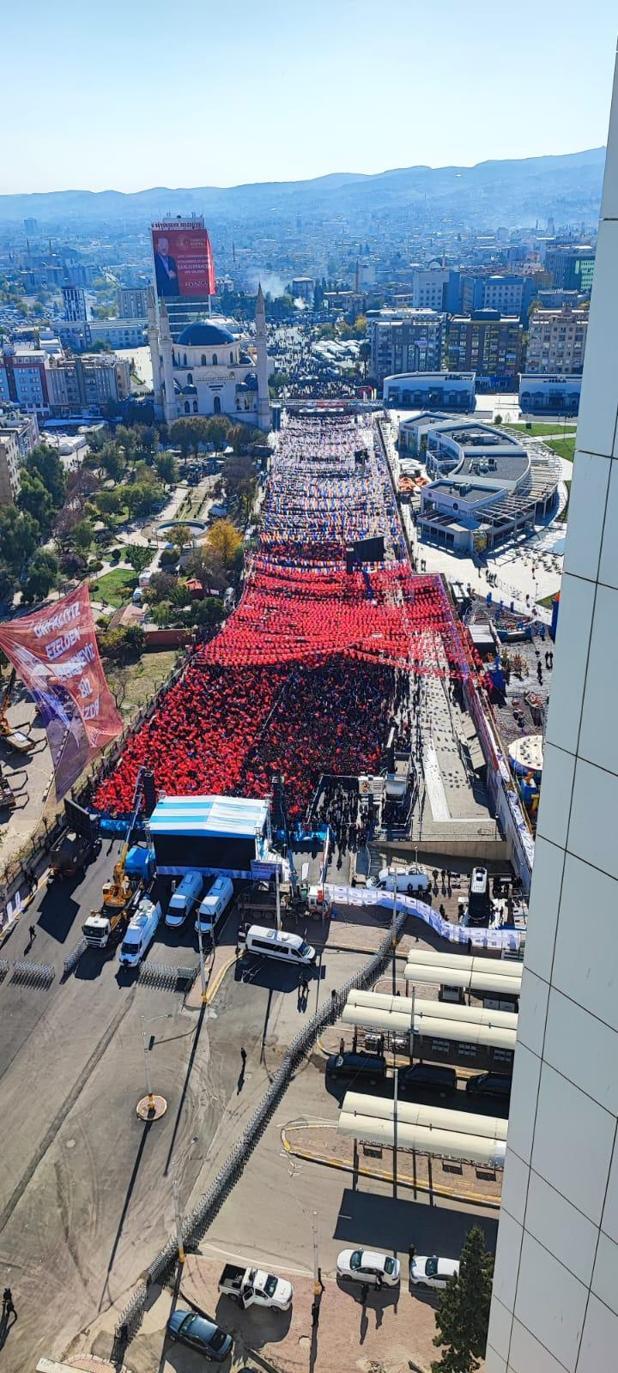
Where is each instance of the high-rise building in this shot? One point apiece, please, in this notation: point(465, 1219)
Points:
point(571, 265)
point(555, 1296)
point(74, 303)
point(9, 467)
point(405, 341)
point(489, 344)
point(557, 340)
point(133, 302)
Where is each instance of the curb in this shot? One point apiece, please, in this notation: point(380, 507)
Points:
point(213, 987)
point(329, 1161)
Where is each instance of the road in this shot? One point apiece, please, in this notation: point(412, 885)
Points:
point(86, 1199)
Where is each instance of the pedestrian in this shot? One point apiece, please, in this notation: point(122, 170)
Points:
point(32, 933)
point(243, 1055)
point(342, 1045)
point(411, 1253)
point(364, 1293)
point(8, 1303)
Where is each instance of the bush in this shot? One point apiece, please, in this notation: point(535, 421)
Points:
point(114, 556)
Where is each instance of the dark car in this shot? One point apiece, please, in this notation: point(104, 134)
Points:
point(366, 1069)
point(201, 1334)
point(426, 1079)
point(496, 1085)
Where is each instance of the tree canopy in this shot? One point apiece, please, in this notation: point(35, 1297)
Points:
point(462, 1317)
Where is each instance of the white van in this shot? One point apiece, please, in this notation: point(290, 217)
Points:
point(185, 897)
point(267, 943)
point(213, 907)
point(407, 880)
point(140, 932)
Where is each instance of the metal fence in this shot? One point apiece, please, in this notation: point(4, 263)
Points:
point(167, 975)
point(32, 974)
point(73, 958)
point(197, 1221)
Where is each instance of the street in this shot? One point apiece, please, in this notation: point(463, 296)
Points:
point(87, 1188)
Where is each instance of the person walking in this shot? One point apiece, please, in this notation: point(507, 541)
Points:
point(243, 1056)
point(8, 1303)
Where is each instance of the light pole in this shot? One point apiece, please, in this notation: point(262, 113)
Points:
point(395, 1104)
point(152, 1106)
point(412, 1008)
point(201, 949)
point(394, 927)
point(178, 1220)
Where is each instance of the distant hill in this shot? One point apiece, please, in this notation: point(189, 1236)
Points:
point(517, 191)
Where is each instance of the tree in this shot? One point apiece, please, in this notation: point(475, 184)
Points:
point(182, 536)
point(225, 539)
point(42, 576)
point(36, 501)
point(462, 1317)
point(19, 536)
point(109, 502)
point(112, 461)
point(166, 468)
point(137, 557)
point(45, 463)
point(82, 536)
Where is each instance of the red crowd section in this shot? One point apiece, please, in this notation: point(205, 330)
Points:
point(300, 681)
point(227, 730)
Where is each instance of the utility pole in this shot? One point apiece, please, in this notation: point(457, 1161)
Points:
point(201, 949)
point(316, 1268)
point(178, 1219)
point(394, 929)
point(277, 899)
point(412, 1008)
point(395, 1104)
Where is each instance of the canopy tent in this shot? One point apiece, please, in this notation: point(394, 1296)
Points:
point(441, 1133)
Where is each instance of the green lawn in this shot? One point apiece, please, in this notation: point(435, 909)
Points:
point(544, 427)
point(115, 587)
point(134, 684)
point(565, 448)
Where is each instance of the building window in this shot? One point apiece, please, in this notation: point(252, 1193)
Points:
point(203, 359)
point(214, 359)
point(195, 407)
point(189, 378)
point(217, 405)
point(231, 356)
point(184, 361)
point(187, 408)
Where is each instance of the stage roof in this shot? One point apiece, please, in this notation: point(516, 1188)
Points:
point(230, 816)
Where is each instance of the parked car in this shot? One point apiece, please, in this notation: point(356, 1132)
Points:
point(363, 1069)
point(424, 1079)
point(427, 1270)
point(496, 1085)
point(367, 1265)
point(201, 1334)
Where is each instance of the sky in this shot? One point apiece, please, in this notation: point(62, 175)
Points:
point(137, 93)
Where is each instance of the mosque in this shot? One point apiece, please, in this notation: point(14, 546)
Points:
point(206, 367)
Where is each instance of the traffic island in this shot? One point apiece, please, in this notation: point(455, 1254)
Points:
point(151, 1108)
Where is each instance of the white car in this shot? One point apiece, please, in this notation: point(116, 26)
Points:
point(427, 1270)
point(408, 880)
point(365, 1265)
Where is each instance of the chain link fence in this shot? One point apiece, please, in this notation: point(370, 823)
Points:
point(198, 1220)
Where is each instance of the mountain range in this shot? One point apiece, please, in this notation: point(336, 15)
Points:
point(514, 191)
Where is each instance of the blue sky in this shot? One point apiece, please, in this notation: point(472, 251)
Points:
point(136, 93)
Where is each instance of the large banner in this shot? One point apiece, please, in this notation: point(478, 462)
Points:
point(183, 259)
point(55, 653)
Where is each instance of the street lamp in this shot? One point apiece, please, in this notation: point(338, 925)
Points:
point(152, 1106)
point(202, 971)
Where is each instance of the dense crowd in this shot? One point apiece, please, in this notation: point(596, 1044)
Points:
point(314, 666)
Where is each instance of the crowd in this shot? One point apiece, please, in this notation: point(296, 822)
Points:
point(315, 663)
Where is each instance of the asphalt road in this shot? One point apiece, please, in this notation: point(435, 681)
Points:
point(86, 1198)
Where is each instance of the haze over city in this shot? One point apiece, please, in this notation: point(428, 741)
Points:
point(157, 96)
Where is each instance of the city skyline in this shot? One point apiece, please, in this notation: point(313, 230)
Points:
point(125, 118)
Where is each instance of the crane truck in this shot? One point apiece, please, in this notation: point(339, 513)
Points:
point(131, 877)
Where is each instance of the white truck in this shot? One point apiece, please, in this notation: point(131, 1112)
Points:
point(140, 933)
point(252, 1287)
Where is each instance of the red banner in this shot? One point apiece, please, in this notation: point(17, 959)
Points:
point(183, 259)
point(55, 653)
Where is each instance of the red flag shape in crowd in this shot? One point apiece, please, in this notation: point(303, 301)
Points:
point(55, 653)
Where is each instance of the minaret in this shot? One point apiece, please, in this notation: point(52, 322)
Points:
point(263, 404)
point(155, 356)
point(165, 344)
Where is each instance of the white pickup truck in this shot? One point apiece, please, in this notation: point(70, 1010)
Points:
point(252, 1287)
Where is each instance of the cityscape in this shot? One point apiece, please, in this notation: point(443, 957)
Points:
point(308, 763)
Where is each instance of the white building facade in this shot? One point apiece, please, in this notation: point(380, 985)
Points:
point(207, 369)
point(555, 1297)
